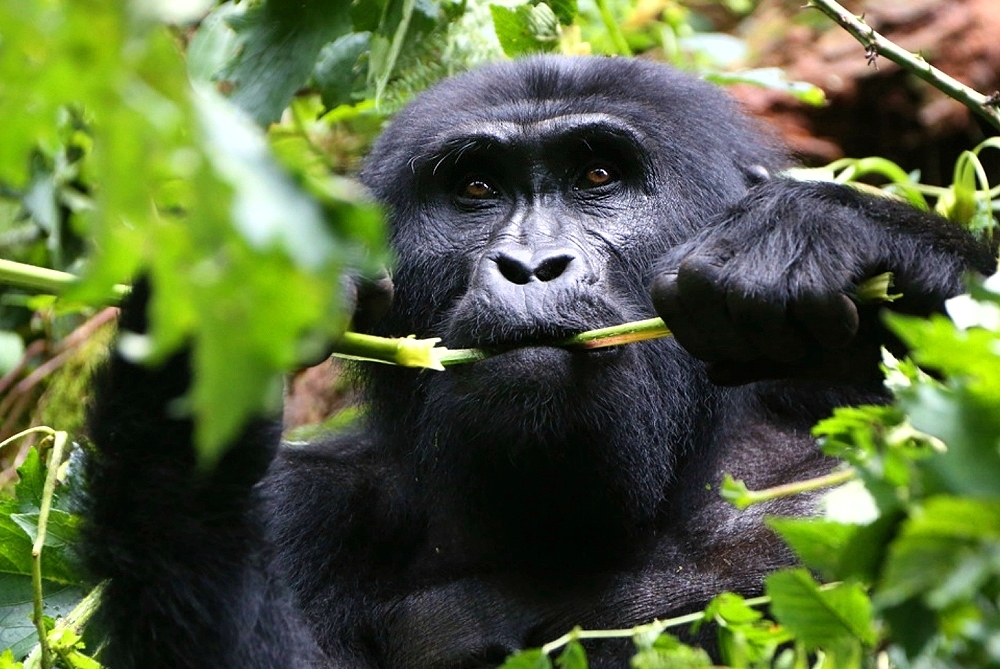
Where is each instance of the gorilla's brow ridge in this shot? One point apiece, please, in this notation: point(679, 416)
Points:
point(505, 132)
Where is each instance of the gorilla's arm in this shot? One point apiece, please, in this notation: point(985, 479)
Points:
point(764, 291)
point(193, 581)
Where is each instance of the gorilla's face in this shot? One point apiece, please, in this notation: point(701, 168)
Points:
point(529, 202)
point(538, 212)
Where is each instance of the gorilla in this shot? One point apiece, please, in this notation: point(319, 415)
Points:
point(496, 505)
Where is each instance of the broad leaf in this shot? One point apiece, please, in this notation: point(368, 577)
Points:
point(820, 617)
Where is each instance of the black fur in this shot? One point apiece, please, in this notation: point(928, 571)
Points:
point(496, 505)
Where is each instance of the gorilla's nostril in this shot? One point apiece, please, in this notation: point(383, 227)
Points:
point(553, 268)
point(513, 269)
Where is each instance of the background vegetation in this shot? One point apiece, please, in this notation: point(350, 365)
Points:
point(211, 146)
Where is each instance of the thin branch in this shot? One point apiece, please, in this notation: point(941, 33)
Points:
point(877, 45)
point(659, 626)
point(43, 279)
point(737, 493)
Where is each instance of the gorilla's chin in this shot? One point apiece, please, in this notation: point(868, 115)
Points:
point(535, 371)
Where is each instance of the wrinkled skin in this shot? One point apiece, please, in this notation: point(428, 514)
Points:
point(496, 505)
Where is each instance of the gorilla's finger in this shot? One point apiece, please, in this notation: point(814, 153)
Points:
point(666, 300)
point(764, 322)
point(701, 282)
point(832, 318)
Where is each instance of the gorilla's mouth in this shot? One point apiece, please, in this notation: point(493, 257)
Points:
point(501, 328)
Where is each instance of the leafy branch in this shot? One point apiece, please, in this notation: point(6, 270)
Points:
point(59, 439)
point(877, 45)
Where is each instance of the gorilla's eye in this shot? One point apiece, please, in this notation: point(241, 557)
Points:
point(477, 189)
point(596, 175)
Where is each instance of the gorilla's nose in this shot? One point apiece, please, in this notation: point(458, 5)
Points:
point(522, 266)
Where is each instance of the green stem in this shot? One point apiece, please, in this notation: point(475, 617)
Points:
point(791, 489)
point(43, 279)
point(55, 458)
point(660, 626)
point(877, 45)
point(75, 620)
point(614, 30)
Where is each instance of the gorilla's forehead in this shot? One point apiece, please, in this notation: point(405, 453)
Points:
point(516, 129)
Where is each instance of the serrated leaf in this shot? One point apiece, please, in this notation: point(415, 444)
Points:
point(280, 41)
point(820, 618)
point(337, 74)
point(972, 354)
point(525, 29)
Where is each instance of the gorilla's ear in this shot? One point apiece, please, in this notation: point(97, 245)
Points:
point(754, 175)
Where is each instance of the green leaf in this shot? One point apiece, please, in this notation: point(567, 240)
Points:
point(819, 543)
point(820, 618)
point(532, 658)
point(338, 74)
point(669, 653)
point(971, 354)
point(17, 631)
point(971, 431)
point(525, 29)
point(772, 78)
point(7, 660)
point(215, 44)
point(938, 555)
point(279, 42)
point(565, 10)
point(572, 657)
point(746, 638)
point(19, 527)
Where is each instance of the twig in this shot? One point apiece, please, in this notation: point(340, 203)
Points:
point(75, 620)
point(43, 279)
point(659, 626)
point(877, 45)
point(737, 493)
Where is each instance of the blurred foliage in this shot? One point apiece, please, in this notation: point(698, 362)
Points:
point(210, 146)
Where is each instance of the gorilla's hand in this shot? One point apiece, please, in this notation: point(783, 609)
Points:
point(764, 291)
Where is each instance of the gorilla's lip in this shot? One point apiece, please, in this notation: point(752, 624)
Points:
point(553, 338)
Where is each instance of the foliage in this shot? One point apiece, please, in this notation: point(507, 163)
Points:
point(910, 548)
point(210, 147)
point(38, 520)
